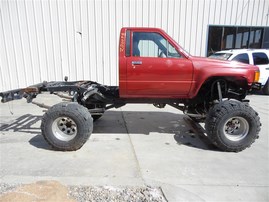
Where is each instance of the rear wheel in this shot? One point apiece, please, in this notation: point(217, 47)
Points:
point(67, 126)
point(232, 125)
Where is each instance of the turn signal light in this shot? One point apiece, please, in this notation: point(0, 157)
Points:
point(257, 76)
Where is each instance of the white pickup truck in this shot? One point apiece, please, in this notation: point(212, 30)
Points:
point(258, 57)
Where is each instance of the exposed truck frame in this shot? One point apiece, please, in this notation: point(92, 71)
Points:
point(215, 96)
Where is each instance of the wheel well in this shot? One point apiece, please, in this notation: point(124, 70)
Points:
point(231, 88)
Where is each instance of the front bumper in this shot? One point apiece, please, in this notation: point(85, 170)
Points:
point(256, 86)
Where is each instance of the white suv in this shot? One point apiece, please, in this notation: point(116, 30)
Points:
point(258, 57)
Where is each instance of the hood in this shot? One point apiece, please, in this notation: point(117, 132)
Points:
point(202, 62)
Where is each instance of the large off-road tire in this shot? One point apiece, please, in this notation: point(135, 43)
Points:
point(67, 126)
point(232, 125)
point(265, 88)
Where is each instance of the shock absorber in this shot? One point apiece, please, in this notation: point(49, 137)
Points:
point(219, 91)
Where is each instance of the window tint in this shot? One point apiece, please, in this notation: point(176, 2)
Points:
point(147, 44)
point(260, 58)
point(229, 37)
point(241, 40)
point(214, 39)
point(242, 58)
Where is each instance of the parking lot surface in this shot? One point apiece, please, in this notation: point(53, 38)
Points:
point(137, 145)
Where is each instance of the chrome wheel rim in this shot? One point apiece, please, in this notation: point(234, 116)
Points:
point(64, 128)
point(236, 129)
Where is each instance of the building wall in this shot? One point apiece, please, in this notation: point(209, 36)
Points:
point(49, 39)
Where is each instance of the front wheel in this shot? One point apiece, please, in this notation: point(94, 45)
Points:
point(232, 125)
point(67, 126)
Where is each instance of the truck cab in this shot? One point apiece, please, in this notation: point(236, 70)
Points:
point(152, 64)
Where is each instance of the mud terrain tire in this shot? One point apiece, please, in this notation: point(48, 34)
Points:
point(232, 125)
point(67, 126)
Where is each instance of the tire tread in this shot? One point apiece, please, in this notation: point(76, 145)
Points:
point(215, 115)
point(80, 113)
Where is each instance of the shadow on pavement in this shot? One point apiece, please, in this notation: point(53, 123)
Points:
point(185, 131)
point(27, 123)
point(195, 137)
point(39, 142)
point(23, 123)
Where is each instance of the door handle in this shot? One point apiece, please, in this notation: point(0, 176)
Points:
point(136, 62)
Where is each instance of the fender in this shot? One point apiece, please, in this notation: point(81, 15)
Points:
point(204, 69)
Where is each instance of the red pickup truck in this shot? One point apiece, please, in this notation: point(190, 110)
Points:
point(153, 68)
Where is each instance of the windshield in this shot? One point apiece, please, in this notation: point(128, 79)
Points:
point(221, 56)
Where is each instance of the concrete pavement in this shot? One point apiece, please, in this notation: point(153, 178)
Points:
point(137, 145)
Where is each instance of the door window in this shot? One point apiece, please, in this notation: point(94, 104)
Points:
point(242, 58)
point(148, 48)
point(148, 44)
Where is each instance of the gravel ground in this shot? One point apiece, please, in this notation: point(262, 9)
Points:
point(108, 193)
point(104, 193)
point(4, 188)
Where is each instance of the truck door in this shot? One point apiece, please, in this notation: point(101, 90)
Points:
point(156, 69)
